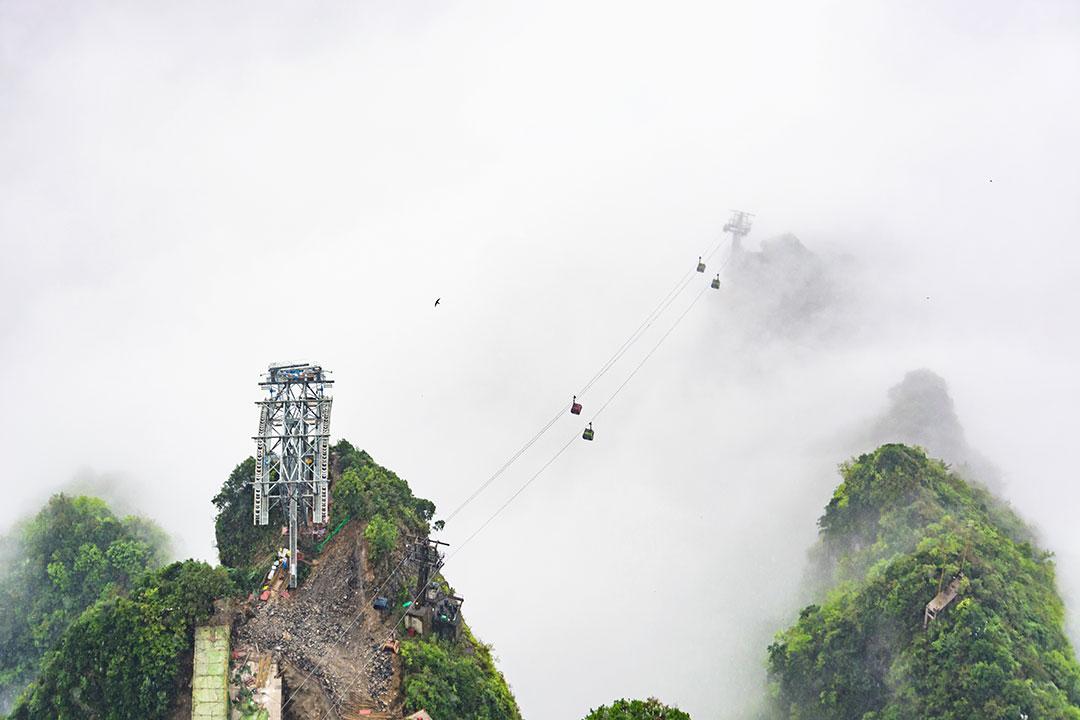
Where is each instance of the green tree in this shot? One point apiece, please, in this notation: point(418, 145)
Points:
point(651, 709)
point(241, 543)
point(455, 680)
point(382, 536)
point(366, 489)
point(349, 494)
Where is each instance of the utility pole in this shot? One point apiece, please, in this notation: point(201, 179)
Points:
point(425, 553)
point(292, 449)
point(435, 609)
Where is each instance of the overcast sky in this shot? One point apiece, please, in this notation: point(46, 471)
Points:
point(189, 191)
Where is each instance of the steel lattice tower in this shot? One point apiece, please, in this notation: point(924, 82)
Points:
point(739, 227)
point(292, 449)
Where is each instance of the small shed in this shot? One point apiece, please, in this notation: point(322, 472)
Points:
point(419, 715)
point(942, 600)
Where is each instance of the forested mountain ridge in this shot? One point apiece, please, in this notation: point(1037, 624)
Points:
point(99, 628)
point(899, 528)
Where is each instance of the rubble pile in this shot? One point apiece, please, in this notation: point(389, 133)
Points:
point(327, 638)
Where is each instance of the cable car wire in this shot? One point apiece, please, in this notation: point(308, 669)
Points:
point(634, 336)
point(491, 518)
point(508, 463)
point(665, 302)
point(573, 437)
point(649, 354)
point(662, 306)
point(654, 315)
point(659, 310)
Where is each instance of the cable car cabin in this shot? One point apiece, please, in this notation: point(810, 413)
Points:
point(575, 407)
point(588, 434)
point(716, 282)
point(700, 265)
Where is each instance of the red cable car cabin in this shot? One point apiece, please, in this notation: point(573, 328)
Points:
point(575, 407)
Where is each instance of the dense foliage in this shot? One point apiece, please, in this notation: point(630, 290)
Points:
point(122, 658)
point(382, 537)
point(651, 709)
point(55, 565)
point(897, 527)
point(366, 490)
point(242, 544)
point(455, 680)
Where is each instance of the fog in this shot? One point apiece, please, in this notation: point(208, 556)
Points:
point(189, 192)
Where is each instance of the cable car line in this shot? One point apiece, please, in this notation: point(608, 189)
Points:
point(650, 353)
point(513, 497)
point(665, 303)
point(662, 306)
point(508, 463)
point(491, 518)
point(574, 437)
point(636, 335)
point(659, 310)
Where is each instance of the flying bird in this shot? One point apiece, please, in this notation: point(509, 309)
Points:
point(437, 301)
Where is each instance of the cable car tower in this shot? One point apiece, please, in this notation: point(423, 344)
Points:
point(739, 227)
point(292, 449)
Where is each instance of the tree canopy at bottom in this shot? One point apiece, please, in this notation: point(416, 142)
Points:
point(651, 709)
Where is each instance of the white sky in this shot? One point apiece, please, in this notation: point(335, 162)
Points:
point(190, 191)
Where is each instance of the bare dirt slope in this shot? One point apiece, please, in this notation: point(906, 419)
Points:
point(328, 639)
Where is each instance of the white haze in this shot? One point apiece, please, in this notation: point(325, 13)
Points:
point(191, 191)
